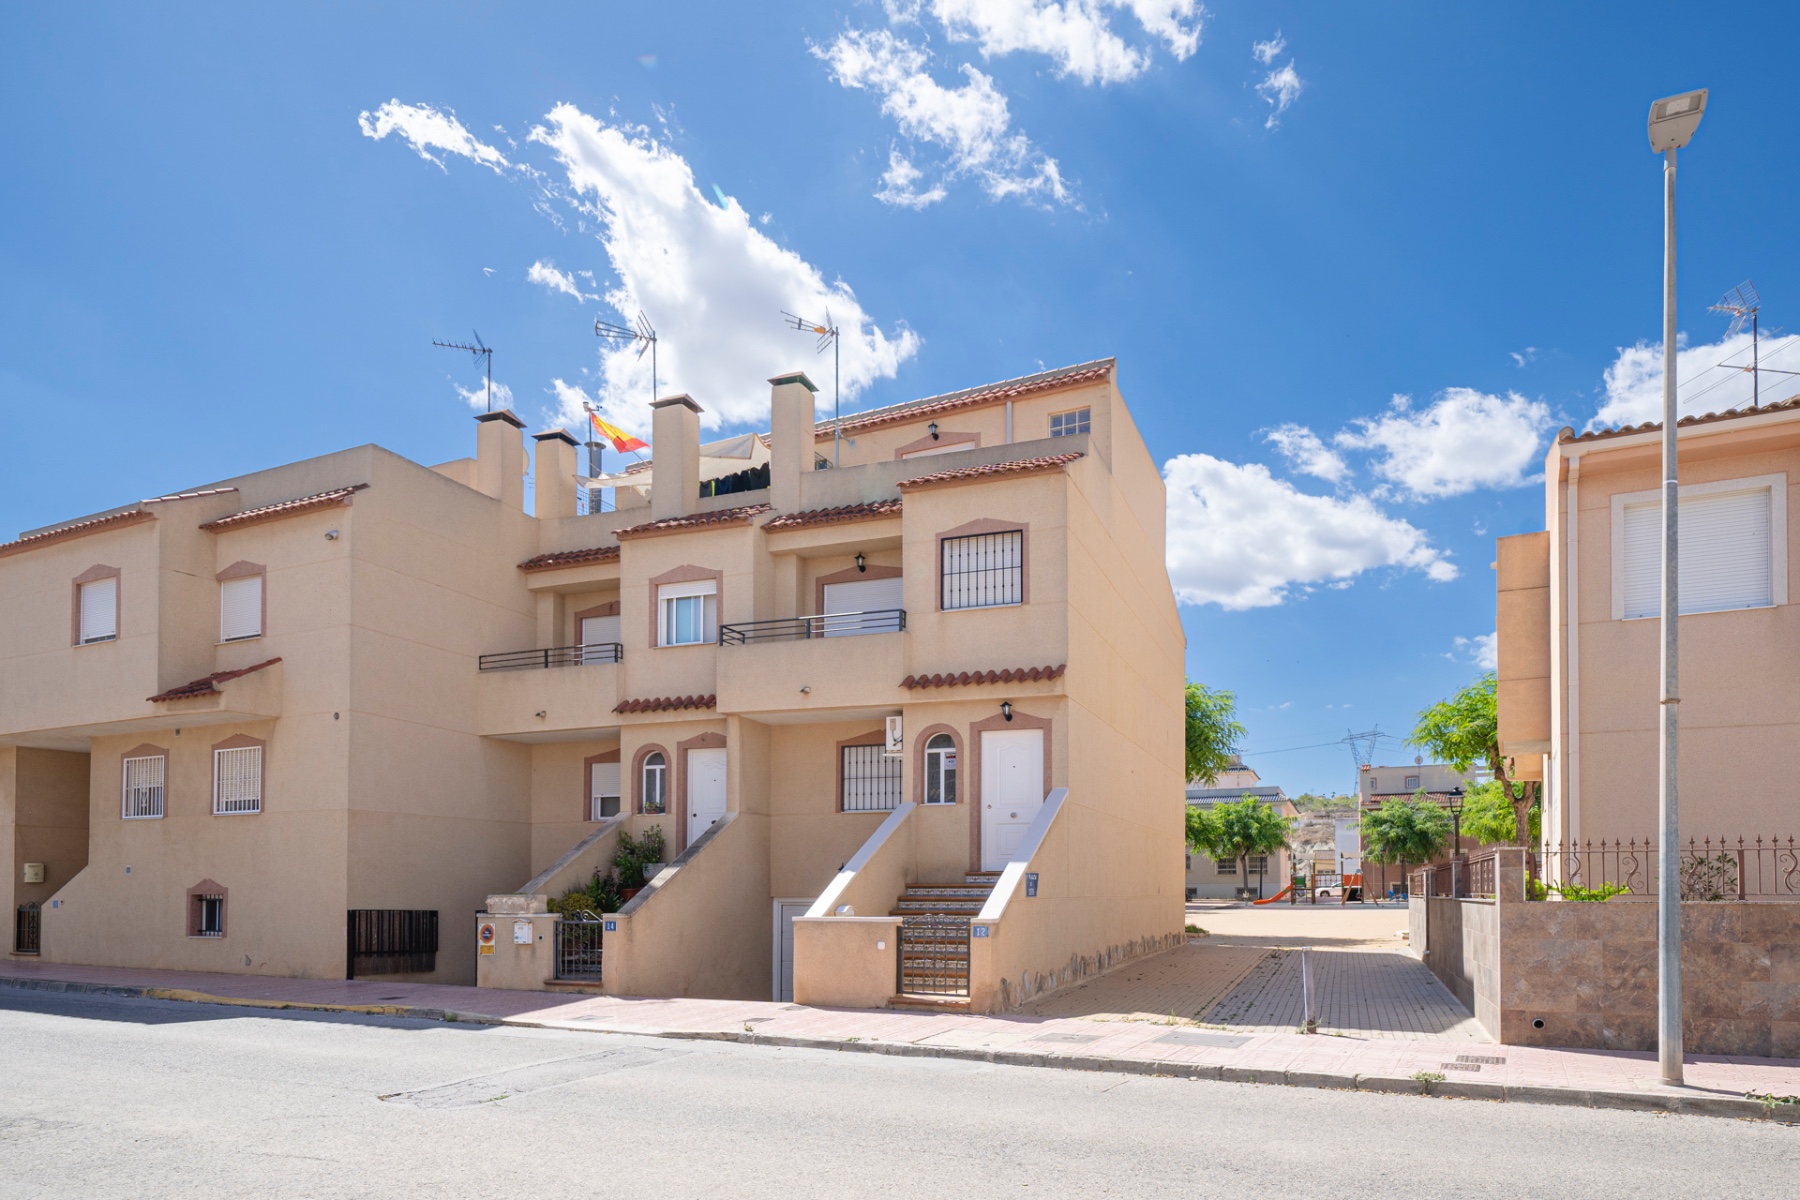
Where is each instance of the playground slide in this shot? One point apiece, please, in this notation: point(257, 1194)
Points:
point(1282, 894)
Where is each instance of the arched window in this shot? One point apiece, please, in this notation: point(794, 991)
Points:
point(656, 784)
point(940, 769)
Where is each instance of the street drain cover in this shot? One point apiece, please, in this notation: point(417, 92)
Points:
point(1199, 1037)
point(1078, 1039)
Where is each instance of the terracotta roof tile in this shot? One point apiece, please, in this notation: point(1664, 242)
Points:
point(218, 491)
point(1569, 435)
point(571, 558)
point(1049, 462)
point(285, 508)
point(118, 520)
point(966, 678)
point(873, 510)
point(666, 704)
point(1006, 389)
point(724, 516)
point(207, 685)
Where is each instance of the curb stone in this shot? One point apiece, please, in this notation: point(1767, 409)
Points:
point(1730, 1107)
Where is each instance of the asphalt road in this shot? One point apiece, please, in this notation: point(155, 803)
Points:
point(111, 1097)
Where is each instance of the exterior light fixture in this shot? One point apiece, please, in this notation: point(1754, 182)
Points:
point(861, 564)
point(933, 428)
point(1006, 709)
point(1673, 121)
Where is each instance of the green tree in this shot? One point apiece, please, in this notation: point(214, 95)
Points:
point(1213, 732)
point(1465, 730)
point(1237, 829)
point(1410, 830)
point(1488, 815)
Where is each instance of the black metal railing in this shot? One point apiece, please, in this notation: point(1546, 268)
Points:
point(28, 929)
point(1459, 879)
point(391, 941)
point(578, 946)
point(793, 629)
point(933, 956)
point(555, 656)
point(1711, 868)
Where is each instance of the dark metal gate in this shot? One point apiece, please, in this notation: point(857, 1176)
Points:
point(391, 941)
point(28, 929)
point(578, 946)
point(934, 956)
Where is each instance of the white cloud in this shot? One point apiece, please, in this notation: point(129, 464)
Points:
point(1634, 380)
point(1280, 87)
point(711, 281)
point(1482, 649)
point(1305, 452)
point(557, 281)
point(1240, 538)
point(477, 397)
point(970, 124)
point(1465, 440)
point(1077, 35)
point(1267, 52)
point(426, 129)
point(1523, 357)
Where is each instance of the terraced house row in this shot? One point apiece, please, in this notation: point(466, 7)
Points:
point(904, 699)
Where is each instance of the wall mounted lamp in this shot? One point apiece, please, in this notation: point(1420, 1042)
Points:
point(861, 564)
point(933, 428)
point(1006, 709)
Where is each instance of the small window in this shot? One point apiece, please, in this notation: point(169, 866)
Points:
point(1228, 867)
point(986, 570)
point(656, 784)
point(143, 787)
point(1065, 423)
point(99, 611)
point(237, 780)
point(603, 791)
point(209, 915)
point(240, 608)
point(871, 779)
point(1726, 557)
point(940, 769)
point(688, 613)
point(1412, 783)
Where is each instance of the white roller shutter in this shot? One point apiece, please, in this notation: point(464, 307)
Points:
point(1725, 557)
point(605, 788)
point(862, 596)
point(240, 608)
point(598, 637)
point(99, 611)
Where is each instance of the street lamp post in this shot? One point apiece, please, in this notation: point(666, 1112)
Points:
point(1455, 804)
point(1672, 123)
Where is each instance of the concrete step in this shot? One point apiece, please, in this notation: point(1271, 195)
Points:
point(929, 1003)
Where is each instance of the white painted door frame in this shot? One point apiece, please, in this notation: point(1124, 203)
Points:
point(697, 778)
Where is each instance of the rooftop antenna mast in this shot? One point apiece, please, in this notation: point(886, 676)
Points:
point(478, 350)
point(642, 334)
point(828, 336)
point(1741, 304)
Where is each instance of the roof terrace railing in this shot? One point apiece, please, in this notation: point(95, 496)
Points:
point(555, 656)
point(793, 629)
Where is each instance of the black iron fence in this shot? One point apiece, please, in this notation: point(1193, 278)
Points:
point(391, 941)
point(1711, 868)
point(578, 946)
point(554, 656)
point(28, 929)
point(790, 629)
point(1462, 878)
point(933, 956)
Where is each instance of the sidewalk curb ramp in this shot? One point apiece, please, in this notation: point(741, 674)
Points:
point(1782, 1110)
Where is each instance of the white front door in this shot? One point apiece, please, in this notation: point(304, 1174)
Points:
point(862, 596)
point(1012, 791)
point(785, 912)
point(598, 636)
point(705, 791)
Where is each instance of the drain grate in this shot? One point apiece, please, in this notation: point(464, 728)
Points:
point(1484, 1059)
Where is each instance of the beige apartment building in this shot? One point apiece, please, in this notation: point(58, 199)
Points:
point(1579, 639)
point(906, 725)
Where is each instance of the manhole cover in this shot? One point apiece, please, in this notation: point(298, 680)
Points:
point(1078, 1039)
point(1199, 1037)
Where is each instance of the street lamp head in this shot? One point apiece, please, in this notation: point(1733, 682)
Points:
point(1673, 120)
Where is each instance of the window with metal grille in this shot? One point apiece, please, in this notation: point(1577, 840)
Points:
point(209, 916)
point(940, 769)
point(1065, 423)
point(143, 789)
point(603, 796)
point(237, 780)
point(99, 605)
point(240, 608)
point(986, 570)
point(1726, 557)
point(871, 780)
point(656, 784)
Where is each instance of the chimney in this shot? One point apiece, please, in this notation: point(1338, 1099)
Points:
point(675, 457)
point(791, 427)
point(500, 458)
point(553, 481)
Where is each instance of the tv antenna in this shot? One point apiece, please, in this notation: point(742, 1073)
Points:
point(828, 336)
point(1742, 303)
point(478, 350)
point(639, 333)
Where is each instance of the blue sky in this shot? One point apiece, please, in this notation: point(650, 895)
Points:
point(232, 235)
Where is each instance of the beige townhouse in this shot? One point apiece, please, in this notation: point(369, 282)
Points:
point(1579, 641)
point(908, 727)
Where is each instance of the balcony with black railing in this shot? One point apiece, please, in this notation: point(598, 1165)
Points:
point(824, 625)
point(555, 656)
point(831, 661)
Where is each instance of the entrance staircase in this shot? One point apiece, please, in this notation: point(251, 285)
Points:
point(934, 941)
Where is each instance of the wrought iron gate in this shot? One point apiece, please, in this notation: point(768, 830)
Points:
point(578, 946)
point(391, 941)
point(27, 929)
point(934, 955)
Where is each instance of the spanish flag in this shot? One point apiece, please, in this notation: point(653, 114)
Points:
point(621, 441)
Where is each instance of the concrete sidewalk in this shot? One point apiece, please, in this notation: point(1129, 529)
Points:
point(1718, 1086)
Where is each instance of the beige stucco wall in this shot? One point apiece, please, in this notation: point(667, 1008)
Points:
point(43, 819)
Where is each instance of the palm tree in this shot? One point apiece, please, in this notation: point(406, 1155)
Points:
point(1237, 829)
